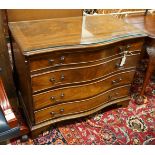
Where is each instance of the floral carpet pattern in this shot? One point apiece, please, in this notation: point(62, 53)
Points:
point(134, 124)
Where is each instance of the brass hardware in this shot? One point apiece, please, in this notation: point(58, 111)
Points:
point(52, 98)
point(58, 65)
point(62, 58)
point(120, 79)
point(57, 101)
point(51, 60)
point(116, 93)
point(52, 79)
point(116, 81)
point(62, 110)
point(62, 95)
point(52, 113)
point(110, 97)
point(62, 77)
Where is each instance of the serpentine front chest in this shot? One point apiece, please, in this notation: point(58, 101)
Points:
point(72, 67)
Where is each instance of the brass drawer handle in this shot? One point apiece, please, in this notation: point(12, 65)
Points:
point(57, 65)
point(117, 81)
point(110, 97)
point(116, 93)
point(62, 58)
point(52, 98)
point(123, 48)
point(62, 77)
point(52, 79)
point(60, 64)
point(53, 113)
point(62, 110)
point(50, 61)
point(62, 95)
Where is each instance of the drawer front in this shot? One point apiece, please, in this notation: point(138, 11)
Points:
point(80, 74)
point(81, 91)
point(69, 108)
point(58, 59)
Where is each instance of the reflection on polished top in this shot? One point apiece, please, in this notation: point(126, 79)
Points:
point(144, 23)
point(71, 32)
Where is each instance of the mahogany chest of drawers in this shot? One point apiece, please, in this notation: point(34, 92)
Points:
point(72, 67)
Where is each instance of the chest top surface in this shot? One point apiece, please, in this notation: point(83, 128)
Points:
point(72, 32)
point(145, 23)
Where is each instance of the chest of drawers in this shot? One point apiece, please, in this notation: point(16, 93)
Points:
point(73, 67)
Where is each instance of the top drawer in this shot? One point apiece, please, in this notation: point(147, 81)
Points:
point(58, 59)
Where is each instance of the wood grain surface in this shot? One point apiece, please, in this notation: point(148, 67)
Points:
point(70, 32)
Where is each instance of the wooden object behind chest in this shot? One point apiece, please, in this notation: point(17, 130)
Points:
point(72, 67)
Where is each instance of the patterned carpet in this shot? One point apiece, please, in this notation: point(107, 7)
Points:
point(134, 124)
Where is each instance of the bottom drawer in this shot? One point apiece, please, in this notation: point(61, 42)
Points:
point(80, 106)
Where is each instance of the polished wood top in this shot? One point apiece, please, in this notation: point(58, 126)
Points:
point(145, 23)
point(72, 32)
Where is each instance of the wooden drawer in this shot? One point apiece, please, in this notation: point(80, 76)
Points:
point(69, 108)
point(69, 58)
point(80, 74)
point(81, 91)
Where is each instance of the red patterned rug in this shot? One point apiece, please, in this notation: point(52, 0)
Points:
point(134, 124)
